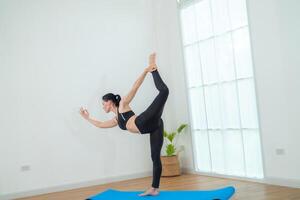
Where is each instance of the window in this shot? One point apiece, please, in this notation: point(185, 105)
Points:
point(220, 83)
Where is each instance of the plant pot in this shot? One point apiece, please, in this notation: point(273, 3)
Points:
point(170, 166)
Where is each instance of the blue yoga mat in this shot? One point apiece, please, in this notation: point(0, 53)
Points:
point(218, 194)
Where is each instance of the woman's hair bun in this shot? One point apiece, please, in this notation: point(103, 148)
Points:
point(118, 99)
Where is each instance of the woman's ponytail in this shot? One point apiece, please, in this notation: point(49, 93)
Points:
point(117, 100)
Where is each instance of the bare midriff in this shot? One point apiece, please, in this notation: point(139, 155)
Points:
point(131, 126)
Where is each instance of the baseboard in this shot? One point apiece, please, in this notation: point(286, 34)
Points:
point(65, 187)
point(184, 170)
point(266, 180)
point(61, 188)
point(283, 182)
point(187, 170)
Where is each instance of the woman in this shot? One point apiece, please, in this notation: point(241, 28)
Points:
point(148, 121)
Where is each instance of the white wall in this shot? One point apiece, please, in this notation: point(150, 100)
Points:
point(56, 56)
point(275, 30)
point(169, 48)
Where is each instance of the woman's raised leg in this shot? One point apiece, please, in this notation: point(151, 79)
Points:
point(155, 109)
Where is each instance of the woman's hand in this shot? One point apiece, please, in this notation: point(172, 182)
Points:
point(84, 113)
point(151, 68)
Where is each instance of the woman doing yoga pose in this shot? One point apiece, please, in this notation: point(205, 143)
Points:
point(149, 121)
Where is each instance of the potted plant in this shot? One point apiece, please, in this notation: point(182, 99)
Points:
point(170, 161)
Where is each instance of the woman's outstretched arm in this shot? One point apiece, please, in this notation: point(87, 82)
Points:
point(104, 124)
point(100, 124)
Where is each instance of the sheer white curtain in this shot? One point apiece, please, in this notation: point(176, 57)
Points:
point(219, 76)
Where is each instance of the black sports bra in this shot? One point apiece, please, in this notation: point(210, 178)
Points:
point(123, 118)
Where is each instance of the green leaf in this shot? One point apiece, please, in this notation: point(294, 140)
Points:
point(181, 127)
point(165, 133)
point(170, 149)
point(171, 136)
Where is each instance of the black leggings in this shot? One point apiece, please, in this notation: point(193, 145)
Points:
point(150, 121)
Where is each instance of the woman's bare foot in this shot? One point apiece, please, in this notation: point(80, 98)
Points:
point(151, 192)
point(152, 65)
point(152, 62)
point(152, 59)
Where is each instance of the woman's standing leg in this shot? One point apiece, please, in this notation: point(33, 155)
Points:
point(156, 143)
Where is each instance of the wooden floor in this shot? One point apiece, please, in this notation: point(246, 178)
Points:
point(244, 190)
